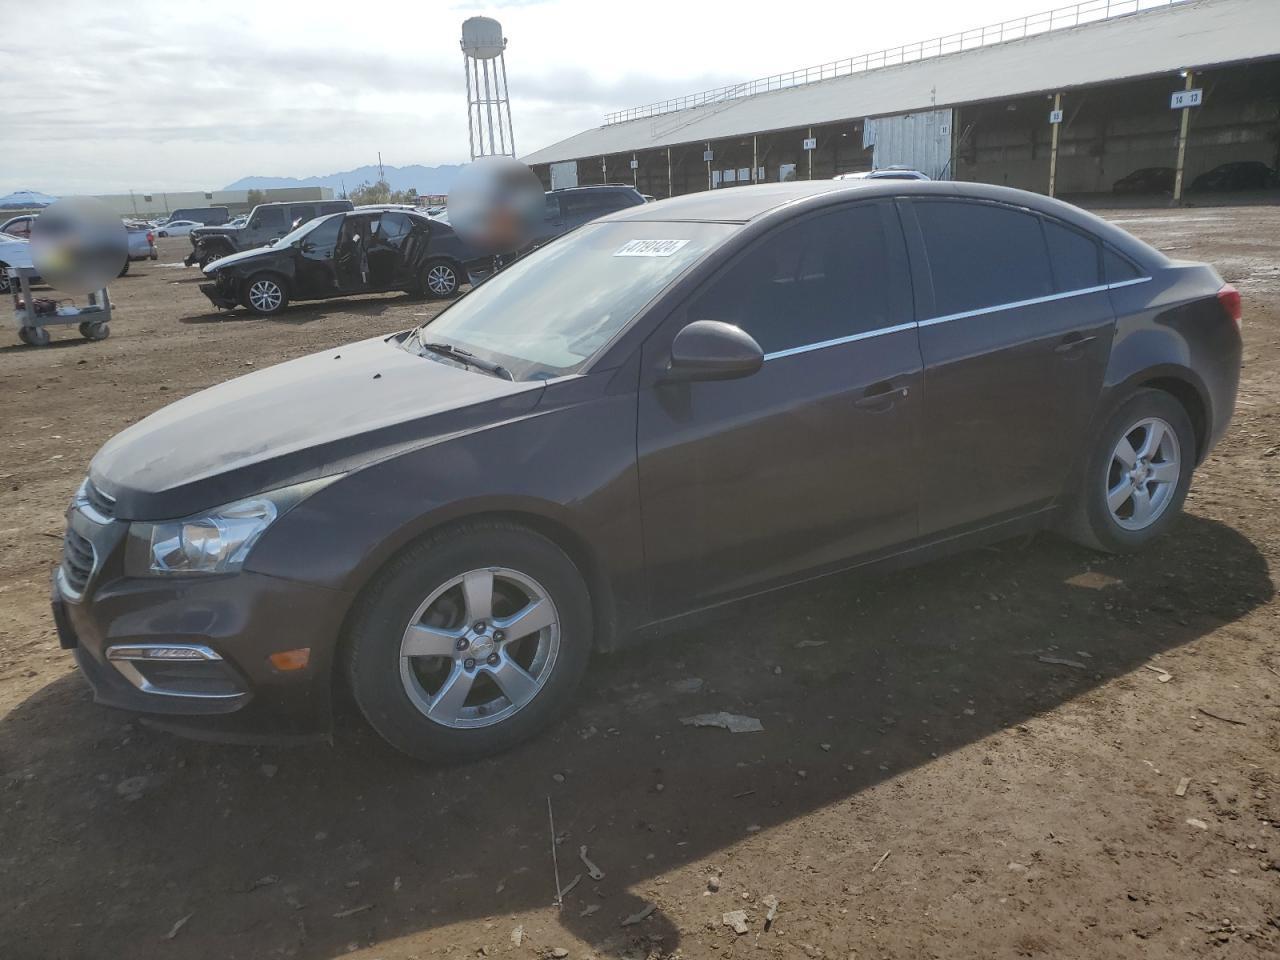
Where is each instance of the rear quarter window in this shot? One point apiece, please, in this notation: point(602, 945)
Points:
point(1073, 256)
point(1117, 267)
point(982, 254)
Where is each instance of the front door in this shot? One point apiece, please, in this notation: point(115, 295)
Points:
point(317, 272)
point(811, 460)
point(1015, 342)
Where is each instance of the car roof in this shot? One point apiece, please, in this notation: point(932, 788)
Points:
point(779, 200)
point(593, 186)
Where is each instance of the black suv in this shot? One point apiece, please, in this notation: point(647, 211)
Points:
point(571, 207)
point(267, 222)
point(363, 251)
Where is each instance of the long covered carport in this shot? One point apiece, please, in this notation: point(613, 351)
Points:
point(1066, 111)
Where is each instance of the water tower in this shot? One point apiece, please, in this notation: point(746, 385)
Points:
point(488, 108)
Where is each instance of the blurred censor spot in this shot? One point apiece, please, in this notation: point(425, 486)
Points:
point(79, 245)
point(496, 204)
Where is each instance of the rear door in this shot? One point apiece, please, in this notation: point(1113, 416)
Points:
point(812, 459)
point(1015, 330)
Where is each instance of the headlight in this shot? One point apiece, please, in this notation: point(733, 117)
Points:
point(216, 541)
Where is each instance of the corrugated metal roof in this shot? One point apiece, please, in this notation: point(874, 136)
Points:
point(1202, 33)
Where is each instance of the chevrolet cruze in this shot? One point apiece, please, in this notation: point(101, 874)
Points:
point(680, 405)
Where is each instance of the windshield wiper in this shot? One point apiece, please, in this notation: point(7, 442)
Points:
point(465, 357)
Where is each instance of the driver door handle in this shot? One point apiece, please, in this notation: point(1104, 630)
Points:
point(1073, 341)
point(880, 397)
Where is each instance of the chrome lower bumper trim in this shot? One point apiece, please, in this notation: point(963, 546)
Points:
point(123, 657)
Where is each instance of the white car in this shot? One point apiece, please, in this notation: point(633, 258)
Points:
point(177, 228)
point(14, 252)
point(885, 173)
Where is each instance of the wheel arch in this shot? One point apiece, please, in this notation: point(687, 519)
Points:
point(574, 544)
point(1180, 382)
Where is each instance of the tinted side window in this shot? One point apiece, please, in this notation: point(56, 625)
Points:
point(270, 218)
point(1118, 268)
point(323, 237)
point(982, 255)
point(393, 228)
point(1074, 257)
point(300, 215)
point(553, 208)
point(821, 279)
point(584, 205)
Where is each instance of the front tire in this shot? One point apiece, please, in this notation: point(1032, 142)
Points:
point(125, 269)
point(1137, 475)
point(470, 641)
point(6, 285)
point(265, 294)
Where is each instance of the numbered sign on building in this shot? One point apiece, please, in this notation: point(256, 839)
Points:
point(635, 164)
point(1055, 116)
point(811, 143)
point(1186, 98)
point(708, 156)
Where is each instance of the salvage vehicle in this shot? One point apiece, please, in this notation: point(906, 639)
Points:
point(209, 216)
point(14, 252)
point(177, 228)
point(267, 223)
point(885, 173)
point(683, 404)
point(570, 207)
point(1240, 175)
point(19, 226)
point(1146, 180)
point(369, 250)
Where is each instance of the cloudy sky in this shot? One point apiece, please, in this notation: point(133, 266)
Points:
point(161, 94)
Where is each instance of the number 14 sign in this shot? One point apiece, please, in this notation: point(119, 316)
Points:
point(1186, 98)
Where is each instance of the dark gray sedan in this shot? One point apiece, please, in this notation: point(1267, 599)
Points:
point(681, 405)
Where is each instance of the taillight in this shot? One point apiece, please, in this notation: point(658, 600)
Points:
point(151, 238)
point(1229, 297)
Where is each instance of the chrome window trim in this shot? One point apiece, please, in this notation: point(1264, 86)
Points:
point(947, 318)
point(865, 335)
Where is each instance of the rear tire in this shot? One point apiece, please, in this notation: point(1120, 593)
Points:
point(1136, 477)
point(91, 330)
point(124, 269)
point(6, 285)
point(265, 294)
point(465, 699)
point(441, 279)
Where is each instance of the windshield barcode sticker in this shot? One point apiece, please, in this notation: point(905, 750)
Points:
point(649, 248)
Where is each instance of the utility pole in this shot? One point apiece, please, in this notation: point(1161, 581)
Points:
point(671, 183)
point(381, 176)
point(1055, 119)
point(1182, 142)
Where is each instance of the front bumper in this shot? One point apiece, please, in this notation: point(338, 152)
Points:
point(240, 619)
point(219, 295)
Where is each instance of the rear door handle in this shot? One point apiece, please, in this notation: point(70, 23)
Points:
point(1073, 341)
point(880, 397)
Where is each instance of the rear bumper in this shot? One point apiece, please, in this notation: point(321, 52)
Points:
point(240, 620)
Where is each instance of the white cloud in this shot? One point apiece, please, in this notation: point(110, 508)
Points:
point(158, 95)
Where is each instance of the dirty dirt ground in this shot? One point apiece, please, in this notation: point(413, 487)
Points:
point(925, 785)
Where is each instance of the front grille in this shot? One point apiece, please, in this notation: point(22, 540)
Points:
point(99, 501)
point(77, 560)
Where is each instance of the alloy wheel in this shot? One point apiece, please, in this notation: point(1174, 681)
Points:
point(1143, 474)
point(265, 295)
point(479, 648)
point(442, 280)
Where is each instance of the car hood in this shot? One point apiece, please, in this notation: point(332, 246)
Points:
point(222, 231)
point(234, 258)
point(330, 412)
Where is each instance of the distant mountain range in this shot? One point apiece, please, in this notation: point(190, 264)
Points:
point(423, 179)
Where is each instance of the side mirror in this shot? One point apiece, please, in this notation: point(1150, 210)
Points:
point(711, 350)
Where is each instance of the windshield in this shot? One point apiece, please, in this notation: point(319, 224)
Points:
point(549, 313)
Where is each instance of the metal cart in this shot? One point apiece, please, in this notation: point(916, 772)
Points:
point(93, 318)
